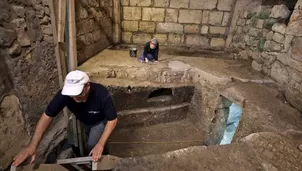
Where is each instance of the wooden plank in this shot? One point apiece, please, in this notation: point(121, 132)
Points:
point(75, 160)
point(61, 20)
point(73, 62)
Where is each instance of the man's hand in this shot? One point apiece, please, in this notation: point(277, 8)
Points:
point(156, 62)
point(96, 152)
point(23, 155)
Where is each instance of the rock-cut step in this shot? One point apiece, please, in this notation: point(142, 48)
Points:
point(152, 115)
point(155, 139)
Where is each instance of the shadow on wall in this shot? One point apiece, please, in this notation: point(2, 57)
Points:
point(5, 81)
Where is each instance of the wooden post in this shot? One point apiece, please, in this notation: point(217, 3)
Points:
point(73, 62)
point(117, 32)
point(61, 20)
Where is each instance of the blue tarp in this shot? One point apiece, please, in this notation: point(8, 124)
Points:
point(232, 123)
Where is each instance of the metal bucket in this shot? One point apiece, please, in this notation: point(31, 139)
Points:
point(133, 52)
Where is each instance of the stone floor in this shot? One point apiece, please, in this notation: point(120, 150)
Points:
point(259, 143)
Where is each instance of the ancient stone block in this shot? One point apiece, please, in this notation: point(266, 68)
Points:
point(125, 2)
point(270, 35)
point(257, 66)
point(203, 4)
point(204, 30)
point(162, 38)
point(279, 38)
point(23, 38)
point(19, 10)
point(260, 23)
point(197, 40)
point(97, 35)
point(161, 3)
point(268, 59)
point(141, 38)
point(191, 28)
point(169, 28)
point(7, 37)
point(215, 18)
point(217, 30)
point(47, 30)
point(142, 3)
point(205, 17)
point(153, 14)
point(226, 19)
point(279, 27)
point(179, 3)
point(15, 50)
point(174, 38)
point(280, 12)
point(279, 72)
point(294, 97)
point(127, 37)
point(287, 43)
point(147, 26)
point(217, 42)
point(272, 46)
point(265, 32)
point(297, 49)
point(171, 15)
point(190, 16)
point(130, 26)
point(225, 5)
point(132, 13)
point(94, 3)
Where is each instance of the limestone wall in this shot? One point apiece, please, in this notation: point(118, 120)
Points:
point(272, 38)
point(188, 22)
point(28, 73)
point(94, 27)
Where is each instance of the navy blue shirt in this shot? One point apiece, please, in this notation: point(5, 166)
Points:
point(153, 52)
point(98, 107)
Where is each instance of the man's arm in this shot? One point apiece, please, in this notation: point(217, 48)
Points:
point(31, 149)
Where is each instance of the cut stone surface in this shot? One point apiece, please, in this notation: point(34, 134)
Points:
point(147, 26)
point(297, 49)
point(197, 40)
point(217, 30)
point(130, 26)
point(280, 11)
point(174, 38)
point(203, 4)
point(169, 28)
point(127, 37)
point(279, 27)
point(132, 13)
point(217, 42)
point(190, 16)
point(191, 29)
point(141, 38)
point(216, 18)
point(204, 30)
point(179, 3)
point(153, 14)
point(162, 38)
point(279, 38)
point(23, 38)
point(225, 5)
point(171, 15)
point(205, 17)
point(260, 23)
point(161, 3)
point(141, 3)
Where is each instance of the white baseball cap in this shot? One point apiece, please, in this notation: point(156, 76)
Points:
point(74, 83)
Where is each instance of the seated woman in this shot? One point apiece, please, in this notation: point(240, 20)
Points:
point(150, 52)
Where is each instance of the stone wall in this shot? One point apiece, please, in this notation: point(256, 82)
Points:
point(187, 22)
point(94, 27)
point(28, 74)
point(271, 37)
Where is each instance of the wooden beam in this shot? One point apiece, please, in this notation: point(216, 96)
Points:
point(61, 20)
point(73, 62)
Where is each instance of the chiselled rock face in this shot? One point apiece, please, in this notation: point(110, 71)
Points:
point(12, 130)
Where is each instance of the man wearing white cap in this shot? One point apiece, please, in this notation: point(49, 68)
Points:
point(90, 102)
